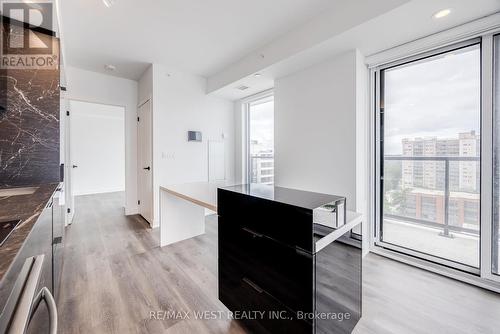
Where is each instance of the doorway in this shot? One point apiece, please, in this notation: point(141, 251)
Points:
point(97, 147)
point(145, 162)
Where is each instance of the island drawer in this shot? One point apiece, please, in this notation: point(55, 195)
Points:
point(258, 309)
point(286, 223)
point(285, 272)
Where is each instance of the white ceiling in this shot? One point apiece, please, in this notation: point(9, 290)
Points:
point(197, 36)
point(218, 38)
point(403, 24)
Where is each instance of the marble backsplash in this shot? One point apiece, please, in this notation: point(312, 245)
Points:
point(29, 126)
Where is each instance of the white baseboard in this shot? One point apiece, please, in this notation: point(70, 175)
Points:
point(133, 210)
point(98, 191)
point(156, 224)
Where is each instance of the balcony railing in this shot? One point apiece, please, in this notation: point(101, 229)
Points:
point(446, 227)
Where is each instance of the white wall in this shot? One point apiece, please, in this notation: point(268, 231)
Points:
point(319, 124)
point(145, 89)
point(180, 104)
point(97, 147)
point(100, 88)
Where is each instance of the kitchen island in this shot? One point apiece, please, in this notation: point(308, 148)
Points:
point(297, 274)
point(288, 261)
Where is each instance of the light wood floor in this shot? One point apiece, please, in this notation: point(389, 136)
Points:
point(115, 275)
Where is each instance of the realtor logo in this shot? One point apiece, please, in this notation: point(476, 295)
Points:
point(27, 37)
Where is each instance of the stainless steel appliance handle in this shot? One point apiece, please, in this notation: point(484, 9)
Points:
point(23, 299)
point(47, 297)
point(21, 305)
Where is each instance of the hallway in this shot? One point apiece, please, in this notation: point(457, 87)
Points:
point(114, 275)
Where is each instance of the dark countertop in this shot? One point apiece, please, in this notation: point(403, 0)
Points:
point(323, 232)
point(27, 208)
point(298, 198)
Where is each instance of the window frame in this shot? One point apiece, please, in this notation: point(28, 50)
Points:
point(261, 97)
point(422, 57)
point(484, 30)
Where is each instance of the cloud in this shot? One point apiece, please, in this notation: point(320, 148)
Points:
point(262, 123)
point(439, 97)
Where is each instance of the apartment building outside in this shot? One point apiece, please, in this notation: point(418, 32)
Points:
point(263, 168)
point(261, 162)
point(423, 181)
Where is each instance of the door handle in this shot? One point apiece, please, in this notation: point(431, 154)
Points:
point(147, 168)
point(75, 166)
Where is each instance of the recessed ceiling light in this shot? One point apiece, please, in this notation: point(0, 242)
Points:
point(242, 87)
point(109, 67)
point(108, 3)
point(257, 75)
point(442, 13)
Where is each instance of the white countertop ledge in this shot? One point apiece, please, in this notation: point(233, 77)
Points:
point(201, 193)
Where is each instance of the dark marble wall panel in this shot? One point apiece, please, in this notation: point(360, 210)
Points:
point(29, 126)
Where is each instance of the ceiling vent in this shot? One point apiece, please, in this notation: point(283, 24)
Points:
point(242, 87)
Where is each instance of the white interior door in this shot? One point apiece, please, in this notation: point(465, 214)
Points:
point(97, 148)
point(145, 162)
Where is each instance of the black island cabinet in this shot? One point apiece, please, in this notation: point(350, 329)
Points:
point(287, 261)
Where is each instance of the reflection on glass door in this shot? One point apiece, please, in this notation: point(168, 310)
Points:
point(430, 156)
point(496, 156)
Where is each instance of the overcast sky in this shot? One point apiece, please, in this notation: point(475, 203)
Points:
point(437, 97)
point(262, 124)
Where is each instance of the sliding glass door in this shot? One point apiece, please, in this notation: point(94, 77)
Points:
point(430, 143)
